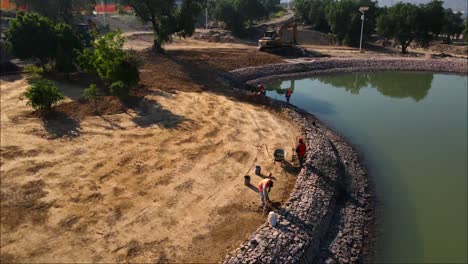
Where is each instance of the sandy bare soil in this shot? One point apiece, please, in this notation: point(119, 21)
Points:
point(142, 40)
point(164, 182)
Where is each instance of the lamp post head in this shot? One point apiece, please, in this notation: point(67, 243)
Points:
point(363, 9)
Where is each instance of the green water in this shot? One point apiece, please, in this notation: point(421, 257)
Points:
point(411, 129)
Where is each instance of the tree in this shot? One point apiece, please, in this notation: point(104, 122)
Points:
point(42, 94)
point(92, 93)
point(228, 12)
point(269, 7)
point(236, 13)
point(453, 24)
point(465, 31)
point(313, 13)
point(58, 10)
point(250, 9)
point(67, 44)
point(31, 36)
point(344, 20)
point(406, 22)
point(431, 17)
point(167, 18)
point(108, 60)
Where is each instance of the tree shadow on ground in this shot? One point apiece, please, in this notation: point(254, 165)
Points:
point(264, 176)
point(10, 77)
point(58, 125)
point(150, 112)
point(71, 90)
point(290, 168)
point(112, 124)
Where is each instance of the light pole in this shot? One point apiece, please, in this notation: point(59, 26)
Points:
point(206, 17)
point(362, 9)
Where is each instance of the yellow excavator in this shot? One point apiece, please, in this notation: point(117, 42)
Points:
point(272, 39)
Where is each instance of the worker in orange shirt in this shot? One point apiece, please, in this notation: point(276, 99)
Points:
point(264, 188)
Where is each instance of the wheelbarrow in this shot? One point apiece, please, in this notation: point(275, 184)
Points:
point(279, 155)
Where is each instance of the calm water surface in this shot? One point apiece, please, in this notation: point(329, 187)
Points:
point(412, 131)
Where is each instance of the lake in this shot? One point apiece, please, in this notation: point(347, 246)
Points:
point(411, 129)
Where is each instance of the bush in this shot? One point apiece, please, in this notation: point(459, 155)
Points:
point(465, 31)
point(42, 94)
point(31, 36)
point(126, 71)
point(67, 43)
point(92, 93)
point(109, 61)
point(119, 89)
point(279, 14)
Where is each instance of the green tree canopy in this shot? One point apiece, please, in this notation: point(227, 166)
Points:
point(405, 22)
point(344, 19)
point(453, 23)
point(465, 31)
point(31, 36)
point(313, 13)
point(67, 44)
point(113, 64)
point(236, 13)
point(167, 18)
point(228, 12)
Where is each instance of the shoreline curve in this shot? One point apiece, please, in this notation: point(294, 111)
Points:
point(330, 216)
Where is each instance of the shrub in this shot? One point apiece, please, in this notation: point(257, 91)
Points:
point(42, 94)
point(126, 71)
point(279, 14)
point(111, 63)
point(31, 36)
point(67, 43)
point(119, 89)
point(92, 93)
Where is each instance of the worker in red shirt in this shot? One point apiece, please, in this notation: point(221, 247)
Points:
point(288, 95)
point(301, 150)
point(264, 187)
point(261, 89)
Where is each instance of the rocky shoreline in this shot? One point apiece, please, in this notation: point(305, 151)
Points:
point(252, 75)
point(330, 215)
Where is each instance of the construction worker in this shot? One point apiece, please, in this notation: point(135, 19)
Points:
point(264, 187)
point(288, 94)
point(261, 89)
point(301, 149)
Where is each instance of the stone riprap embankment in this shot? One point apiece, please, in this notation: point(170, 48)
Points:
point(330, 215)
point(329, 212)
point(329, 66)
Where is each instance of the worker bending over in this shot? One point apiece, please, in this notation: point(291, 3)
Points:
point(301, 149)
point(264, 188)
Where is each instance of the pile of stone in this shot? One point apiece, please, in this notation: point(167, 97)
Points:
point(219, 36)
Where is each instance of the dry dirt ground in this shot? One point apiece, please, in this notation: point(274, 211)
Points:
point(163, 181)
point(142, 41)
